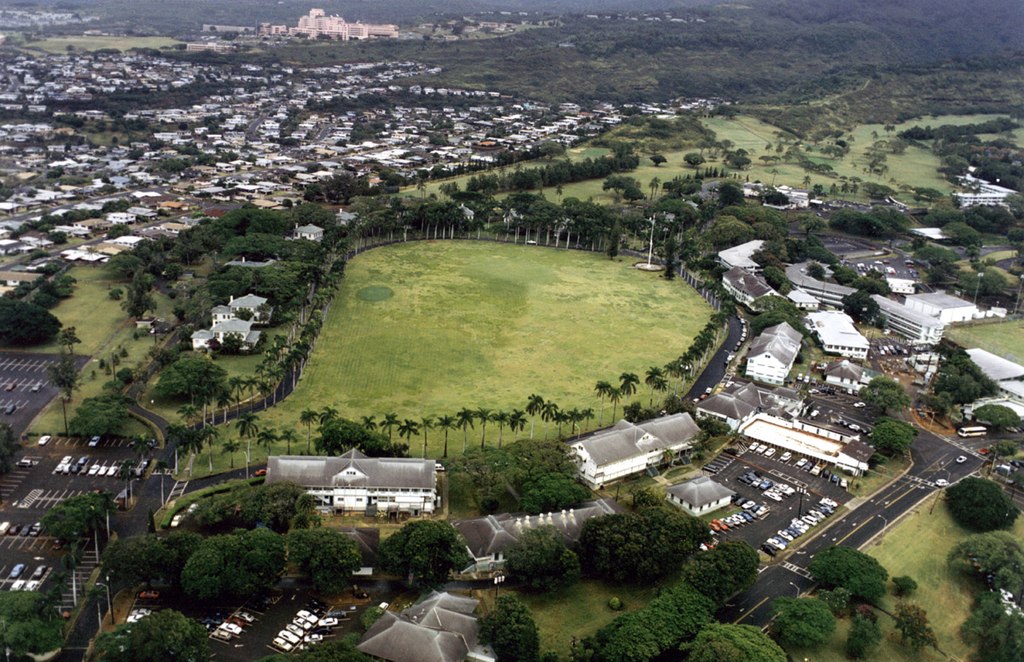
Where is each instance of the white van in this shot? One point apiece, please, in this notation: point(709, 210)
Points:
point(4, 527)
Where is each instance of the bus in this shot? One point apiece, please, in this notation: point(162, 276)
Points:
point(972, 431)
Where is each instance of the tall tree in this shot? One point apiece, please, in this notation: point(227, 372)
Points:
point(534, 406)
point(426, 551)
point(308, 417)
point(511, 631)
point(64, 375)
point(446, 422)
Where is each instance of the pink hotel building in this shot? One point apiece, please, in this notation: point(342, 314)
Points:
point(317, 23)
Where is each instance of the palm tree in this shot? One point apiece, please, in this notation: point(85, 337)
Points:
point(236, 385)
point(389, 423)
point(548, 413)
point(676, 369)
point(224, 401)
point(614, 395)
point(501, 418)
point(602, 388)
point(307, 418)
point(465, 418)
point(189, 413)
point(446, 422)
point(209, 434)
point(370, 423)
point(426, 423)
point(248, 427)
point(560, 417)
point(585, 415)
point(517, 420)
point(70, 561)
point(627, 383)
point(288, 436)
point(266, 438)
point(230, 447)
point(534, 406)
point(483, 414)
point(408, 429)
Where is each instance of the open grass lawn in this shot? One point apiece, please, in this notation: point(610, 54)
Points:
point(104, 330)
point(83, 43)
point(424, 329)
point(1003, 338)
point(576, 612)
point(95, 316)
point(918, 547)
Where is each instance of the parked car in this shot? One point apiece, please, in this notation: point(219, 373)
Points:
point(231, 627)
point(16, 570)
point(94, 442)
point(289, 637)
point(149, 595)
point(44, 439)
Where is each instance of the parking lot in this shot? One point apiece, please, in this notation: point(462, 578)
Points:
point(790, 492)
point(25, 387)
point(254, 630)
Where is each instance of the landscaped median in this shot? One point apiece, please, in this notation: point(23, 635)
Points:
point(167, 513)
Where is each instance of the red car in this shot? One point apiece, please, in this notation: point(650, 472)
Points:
point(149, 595)
point(260, 472)
point(983, 451)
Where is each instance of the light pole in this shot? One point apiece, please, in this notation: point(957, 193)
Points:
point(884, 520)
point(498, 580)
point(796, 587)
point(110, 606)
point(650, 249)
point(978, 287)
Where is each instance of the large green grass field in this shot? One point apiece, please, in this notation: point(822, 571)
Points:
point(427, 328)
point(1003, 338)
point(95, 43)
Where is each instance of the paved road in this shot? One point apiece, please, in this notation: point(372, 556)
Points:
point(934, 458)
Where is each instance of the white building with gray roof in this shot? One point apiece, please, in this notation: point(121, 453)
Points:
point(699, 496)
point(741, 256)
point(946, 307)
point(354, 482)
point(627, 449)
point(745, 286)
point(911, 323)
point(772, 354)
point(829, 294)
point(740, 400)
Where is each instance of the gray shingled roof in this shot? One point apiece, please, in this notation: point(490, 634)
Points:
point(699, 492)
point(492, 534)
point(747, 282)
point(353, 469)
point(781, 341)
point(248, 301)
point(440, 628)
point(845, 370)
point(626, 440)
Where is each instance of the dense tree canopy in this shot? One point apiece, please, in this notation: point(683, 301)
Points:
point(997, 416)
point(621, 547)
point(328, 557)
point(719, 573)
point(101, 415)
point(149, 558)
point(195, 378)
point(237, 565)
point(863, 638)
point(274, 505)
point(427, 551)
point(997, 635)
point(541, 561)
point(724, 642)
point(552, 492)
point(885, 393)
point(163, 635)
point(980, 505)
point(962, 380)
point(803, 622)
point(860, 574)
point(891, 437)
point(511, 632)
point(24, 323)
point(8, 447)
point(30, 624)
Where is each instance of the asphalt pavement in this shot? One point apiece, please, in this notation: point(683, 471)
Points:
point(934, 458)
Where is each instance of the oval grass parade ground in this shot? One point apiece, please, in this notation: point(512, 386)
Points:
point(427, 328)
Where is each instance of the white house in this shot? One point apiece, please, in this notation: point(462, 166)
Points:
point(252, 306)
point(947, 308)
point(829, 294)
point(802, 300)
point(309, 232)
point(488, 537)
point(354, 482)
point(837, 334)
point(901, 285)
point(848, 376)
point(772, 354)
point(627, 449)
point(120, 218)
point(746, 286)
point(699, 496)
point(242, 329)
point(741, 256)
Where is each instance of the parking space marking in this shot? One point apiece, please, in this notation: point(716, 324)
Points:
point(796, 570)
point(30, 498)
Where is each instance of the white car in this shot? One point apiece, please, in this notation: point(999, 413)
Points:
point(111, 470)
point(96, 468)
point(45, 439)
point(961, 459)
point(859, 405)
point(328, 622)
point(942, 482)
point(295, 628)
point(314, 638)
point(282, 644)
point(230, 627)
point(304, 614)
point(288, 636)
point(18, 585)
point(770, 452)
point(786, 457)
